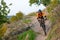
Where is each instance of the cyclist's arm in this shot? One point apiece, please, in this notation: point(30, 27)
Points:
point(44, 15)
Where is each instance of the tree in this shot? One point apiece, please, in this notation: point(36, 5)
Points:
point(19, 15)
point(13, 19)
point(38, 2)
point(52, 5)
point(4, 10)
point(45, 2)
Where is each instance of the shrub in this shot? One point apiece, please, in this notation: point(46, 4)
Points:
point(31, 35)
point(13, 19)
point(3, 30)
point(19, 15)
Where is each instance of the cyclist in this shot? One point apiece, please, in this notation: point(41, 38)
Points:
point(41, 20)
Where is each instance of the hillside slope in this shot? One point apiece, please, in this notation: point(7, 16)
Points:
point(55, 31)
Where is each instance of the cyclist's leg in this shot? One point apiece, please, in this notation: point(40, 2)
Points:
point(43, 26)
point(44, 29)
point(39, 20)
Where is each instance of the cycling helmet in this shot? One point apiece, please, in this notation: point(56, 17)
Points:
point(39, 10)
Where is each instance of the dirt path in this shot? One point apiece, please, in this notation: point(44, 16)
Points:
point(39, 29)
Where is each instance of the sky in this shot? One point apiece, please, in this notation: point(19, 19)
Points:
point(23, 6)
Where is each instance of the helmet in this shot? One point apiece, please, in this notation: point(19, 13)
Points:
point(39, 10)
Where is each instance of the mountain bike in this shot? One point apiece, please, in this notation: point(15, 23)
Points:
point(42, 24)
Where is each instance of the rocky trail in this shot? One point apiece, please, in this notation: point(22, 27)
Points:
point(39, 30)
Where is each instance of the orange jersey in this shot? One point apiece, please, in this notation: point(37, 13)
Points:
point(40, 15)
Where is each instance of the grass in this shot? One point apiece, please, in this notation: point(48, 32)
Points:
point(30, 37)
point(52, 32)
point(27, 21)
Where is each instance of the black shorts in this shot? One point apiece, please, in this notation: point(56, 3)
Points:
point(40, 17)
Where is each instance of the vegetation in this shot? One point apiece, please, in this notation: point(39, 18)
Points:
point(13, 19)
point(3, 30)
point(29, 34)
point(54, 13)
point(19, 15)
point(38, 2)
point(45, 2)
point(4, 10)
point(54, 32)
point(26, 21)
point(32, 14)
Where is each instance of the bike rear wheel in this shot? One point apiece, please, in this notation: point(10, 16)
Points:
point(42, 24)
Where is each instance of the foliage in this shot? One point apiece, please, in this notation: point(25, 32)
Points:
point(52, 32)
point(54, 14)
point(52, 5)
point(31, 35)
point(53, 11)
point(4, 10)
point(32, 14)
point(51, 18)
point(19, 15)
point(26, 21)
point(33, 1)
point(3, 30)
point(45, 2)
point(0, 38)
point(38, 2)
point(13, 19)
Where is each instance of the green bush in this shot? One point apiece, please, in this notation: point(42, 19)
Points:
point(19, 15)
point(3, 30)
point(31, 35)
point(13, 19)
